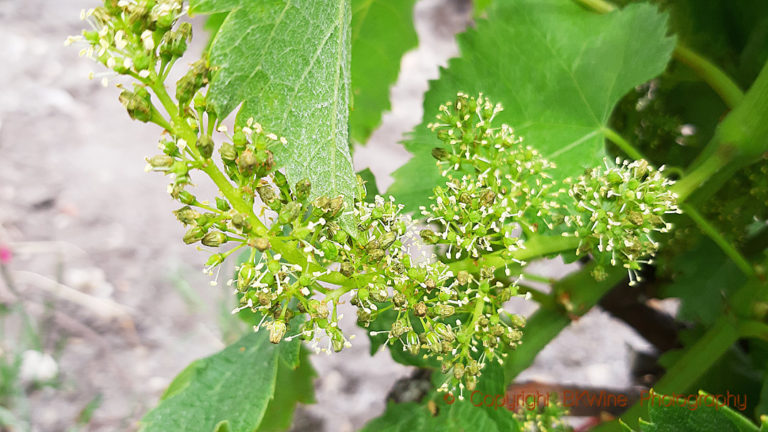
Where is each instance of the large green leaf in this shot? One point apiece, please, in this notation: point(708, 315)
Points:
point(669, 414)
point(288, 63)
point(382, 31)
point(557, 69)
point(292, 386)
point(229, 390)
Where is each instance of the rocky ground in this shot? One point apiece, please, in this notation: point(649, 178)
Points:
point(118, 299)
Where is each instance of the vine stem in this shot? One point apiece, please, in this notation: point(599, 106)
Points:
point(715, 77)
point(623, 144)
point(536, 247)
point(712, 232)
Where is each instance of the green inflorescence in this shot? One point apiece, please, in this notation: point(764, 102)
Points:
point(447, 283)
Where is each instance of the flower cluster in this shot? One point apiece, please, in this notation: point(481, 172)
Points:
point(130, 37)
point(615, 210)
point(300, 261)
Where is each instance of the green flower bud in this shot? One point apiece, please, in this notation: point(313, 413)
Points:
point(205, 146)
point(336, 205)
point(303, 188)
point(462, 277)
point(247, 162)
point(227, 152)
point(458, 371)
point(138, 107)
point(193, 235)
point(340, 237)
point(429, 236)
point(214, 239)
point(318, 310)
point(433, 342)
point(445, 310)
point(398, 329)
point(265, 299)
point(260, 243)
point(440, 154)
point(364, 317)
point(289, 212)
point(420, 309)
point(222, 204)
point(245, 276)
point(276, 331)
point(160, 161)
point(186, 198)
point(330, 251)
point(399, 300)
point(444, 331)
point(186, 215)
point(412, 342)
point(347, 269)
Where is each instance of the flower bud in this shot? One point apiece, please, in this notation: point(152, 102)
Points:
point(214, 239)
point(330, 251)
point(205, 146)
point(193, 235)
point(462, 277)
point(458, 371)
point(412, 342)
point(303, 188)
point(444, 331)
point(246, 162)
point(440, 154)
point(433, 342)
point(429, 236)
point(186, 215)
point(160, 161)
point(138, 107)
point(420, 309)
point(399, 299)
point(398, 329)
point(260, 243)
point(245, 276)
point(289, 212)
point(186, 197)
point(318, 309)
point(276, 331)
point(227, 152)
point(347, 269)
point(445, 310)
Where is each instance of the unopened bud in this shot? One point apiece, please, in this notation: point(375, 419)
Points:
point(276, 331)
point(214, 239)
point(303, 188)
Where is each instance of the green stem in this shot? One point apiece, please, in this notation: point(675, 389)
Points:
point(721, 83)
point(754, 329)
point(703, 172)
point(712, 232)
point(536, 247)
point(622, 144)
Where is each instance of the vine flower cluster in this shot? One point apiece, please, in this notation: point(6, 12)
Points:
point(498, 208)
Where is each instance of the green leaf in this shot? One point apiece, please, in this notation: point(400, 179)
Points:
point(288, 63)
point(679, 414)
point(292, 386)
point(382, 31)
point(229, 390)
point(557, 69)
point(702, 276)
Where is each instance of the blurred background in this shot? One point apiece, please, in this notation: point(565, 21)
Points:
point(101, 304)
